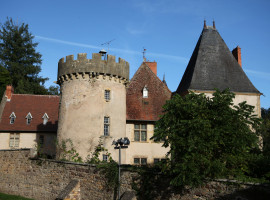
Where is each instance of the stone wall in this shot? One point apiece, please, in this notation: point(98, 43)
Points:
point(49, 179)
point(43, 179)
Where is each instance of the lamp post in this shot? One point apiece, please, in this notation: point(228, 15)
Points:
point(120, 144)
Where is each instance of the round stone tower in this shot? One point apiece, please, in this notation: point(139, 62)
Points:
point(92, 102)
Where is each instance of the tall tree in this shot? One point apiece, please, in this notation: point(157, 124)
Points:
point(5, 79)
point(208, 137)
point(20, 58)
point(266, 130)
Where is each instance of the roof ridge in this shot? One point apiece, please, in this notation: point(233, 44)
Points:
point(45, 95)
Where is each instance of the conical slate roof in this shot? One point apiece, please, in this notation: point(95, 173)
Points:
point(212, 65)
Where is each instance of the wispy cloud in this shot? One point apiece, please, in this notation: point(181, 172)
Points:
point(258, 73)
point(134, 31)
point(67, 42)
point(181, 59)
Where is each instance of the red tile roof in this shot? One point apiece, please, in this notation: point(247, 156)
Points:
point(37, 105)
point(139, 108)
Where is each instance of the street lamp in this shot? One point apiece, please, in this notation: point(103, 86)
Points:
point(120, 144)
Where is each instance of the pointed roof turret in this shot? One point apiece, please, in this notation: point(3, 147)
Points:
point(212, 65)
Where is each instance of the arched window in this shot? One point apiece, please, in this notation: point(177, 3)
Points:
point(145, 92)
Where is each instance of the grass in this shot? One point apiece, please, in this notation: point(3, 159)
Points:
point(12, 197)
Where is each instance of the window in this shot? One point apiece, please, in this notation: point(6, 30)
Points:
point(45, 119)
point(12, 118)
point(106, 126)
point(41, 141)
point(145, 92)
point(140, 161)
point(28, 118)
point(107, 95)
point(140, 132)
point(14, 140)
point(157, 160)
point(105, 157)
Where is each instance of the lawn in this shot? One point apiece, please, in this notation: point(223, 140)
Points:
point(12, 197)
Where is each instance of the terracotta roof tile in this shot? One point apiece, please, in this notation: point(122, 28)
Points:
point(139, 108)
point(37, 105)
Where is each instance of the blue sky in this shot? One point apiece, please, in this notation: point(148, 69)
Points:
point(169, 30)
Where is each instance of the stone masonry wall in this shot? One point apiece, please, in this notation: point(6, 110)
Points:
point(40, 179)
point(48, 180)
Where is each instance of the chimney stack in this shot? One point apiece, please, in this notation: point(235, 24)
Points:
point(9, 92)
point(237, 54)
point(152, 66)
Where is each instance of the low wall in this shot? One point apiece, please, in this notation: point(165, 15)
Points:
point(44, 179)
point(49, 179)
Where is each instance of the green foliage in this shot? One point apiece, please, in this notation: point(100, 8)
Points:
point(94, 158)
point(265, 130)
point(54, 90)
point(110, 171)
point(11, 197)
point(5, 79)
point(67, 151)
point(208, 137)
point(151, 183)
point(20, 58)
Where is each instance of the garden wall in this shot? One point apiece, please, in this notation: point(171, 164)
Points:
point(46, 179)
point(50, 179)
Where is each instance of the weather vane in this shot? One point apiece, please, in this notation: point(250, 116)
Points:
point(144, 51)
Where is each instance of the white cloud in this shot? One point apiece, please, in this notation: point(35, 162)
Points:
point(128, 51)
point(258, 73)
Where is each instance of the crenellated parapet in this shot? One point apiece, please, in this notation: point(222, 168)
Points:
point(83, 67)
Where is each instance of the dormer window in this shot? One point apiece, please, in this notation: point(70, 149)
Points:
point(145, 92)
point(28, 118)
point(12, 118)
point(45, 119)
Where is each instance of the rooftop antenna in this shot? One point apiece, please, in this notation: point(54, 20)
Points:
point(108, 44)
point(144, 51)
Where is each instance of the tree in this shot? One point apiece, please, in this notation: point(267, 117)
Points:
point(208, 137)
point(5, 79)
point(54, 90)
point(19, 57)
point(266, 130)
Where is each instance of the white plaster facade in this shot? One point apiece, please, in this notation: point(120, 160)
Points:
point(149, 149)
point(252, 99)
point(30, 140)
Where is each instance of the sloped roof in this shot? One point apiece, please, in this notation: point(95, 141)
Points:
point(149, 109)
point(212, 65)
point(37, 105)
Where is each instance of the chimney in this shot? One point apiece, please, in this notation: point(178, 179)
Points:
point(237, 54)
point(9, 92)
point(152, 66)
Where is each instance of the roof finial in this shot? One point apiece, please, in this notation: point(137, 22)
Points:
point(204, 25)
point(144, 59)
point(164, 79)
point(214, 25)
